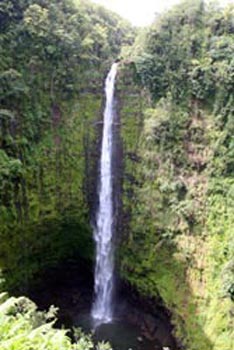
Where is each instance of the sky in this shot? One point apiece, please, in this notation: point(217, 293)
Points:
point(141, 12)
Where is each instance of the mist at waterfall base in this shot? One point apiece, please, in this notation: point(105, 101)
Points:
point(121, 334)
point(135, 324)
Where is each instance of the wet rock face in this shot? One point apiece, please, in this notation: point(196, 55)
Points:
point(70, 288)
point(149, 327)
point(150, 316)
point(152, 328)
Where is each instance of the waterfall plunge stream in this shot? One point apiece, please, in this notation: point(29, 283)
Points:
point(72, 283)
point(102, 311)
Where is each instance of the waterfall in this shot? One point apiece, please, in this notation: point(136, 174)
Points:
point(102, 311)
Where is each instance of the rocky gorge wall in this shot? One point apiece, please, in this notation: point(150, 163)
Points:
point(47, 217)
point(54, 59)
point(176, 243)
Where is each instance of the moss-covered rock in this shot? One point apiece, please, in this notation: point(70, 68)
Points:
point(177, 243)
point(47, 218)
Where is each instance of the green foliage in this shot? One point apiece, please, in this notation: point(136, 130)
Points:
point(189, 52)
point(23, 327)
point(162, 253)
point(178, 165)
point(44, 208)
point(10, 168)
point(178, 243)
point(54, 56)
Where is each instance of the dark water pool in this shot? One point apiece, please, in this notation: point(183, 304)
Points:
point(121, 334)
point(135, 327)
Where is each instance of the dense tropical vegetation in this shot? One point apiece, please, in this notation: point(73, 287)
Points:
point(53, 57)
point(180, 245)
point(176, 100)
point(22, 327)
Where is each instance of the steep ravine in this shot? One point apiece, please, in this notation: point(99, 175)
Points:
point(173, 165)
point(139, 322)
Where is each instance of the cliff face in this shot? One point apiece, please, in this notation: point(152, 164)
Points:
point(177, 242)
point(47, 217)
point(174, 158)
point(54, 56)
point(178, 183)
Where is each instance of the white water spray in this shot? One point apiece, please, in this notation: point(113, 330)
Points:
point(102, 311)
